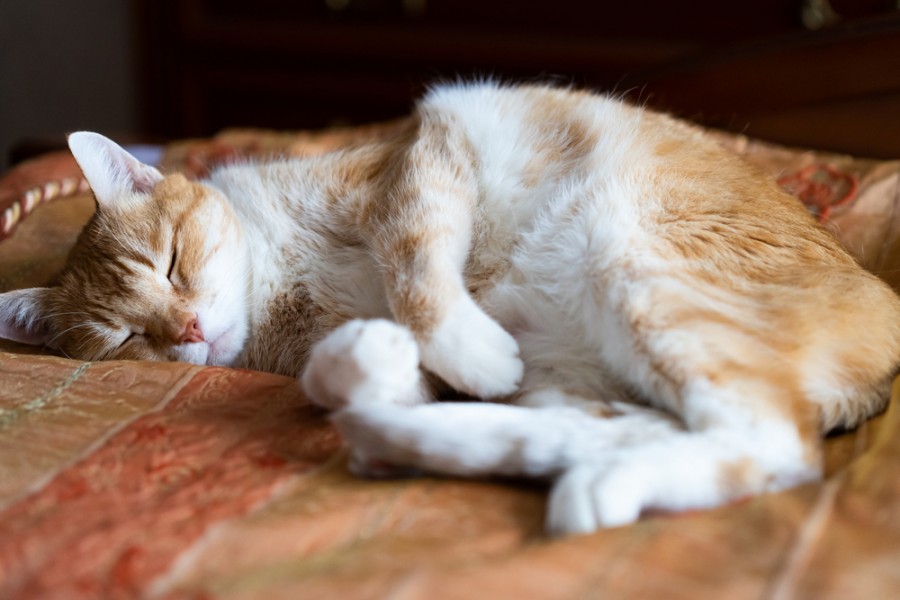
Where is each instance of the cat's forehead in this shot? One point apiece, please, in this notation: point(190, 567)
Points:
point(151, 218)
point(128, 242)
point(188, 204)
point(139, 232)
point(176, 193)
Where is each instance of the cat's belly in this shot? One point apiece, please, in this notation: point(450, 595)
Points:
point(570, 273)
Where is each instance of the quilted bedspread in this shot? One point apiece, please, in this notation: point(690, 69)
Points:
point(133, 480)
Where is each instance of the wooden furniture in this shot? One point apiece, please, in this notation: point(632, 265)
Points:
point(832, 82)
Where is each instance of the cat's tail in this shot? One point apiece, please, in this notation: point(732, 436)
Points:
point(850, 361)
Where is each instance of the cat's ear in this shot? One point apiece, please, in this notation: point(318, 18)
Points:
point(22, 316)
point(112, 172)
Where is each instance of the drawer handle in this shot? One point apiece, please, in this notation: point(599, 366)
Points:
point(816, 14)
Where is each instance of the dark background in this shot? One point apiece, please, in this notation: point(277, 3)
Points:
point(794, 71)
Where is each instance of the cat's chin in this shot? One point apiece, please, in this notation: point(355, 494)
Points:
point(222, 357)
point(224, 350)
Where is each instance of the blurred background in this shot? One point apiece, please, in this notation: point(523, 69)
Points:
point(817, 73)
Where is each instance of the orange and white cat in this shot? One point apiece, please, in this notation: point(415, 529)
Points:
point(661, 326)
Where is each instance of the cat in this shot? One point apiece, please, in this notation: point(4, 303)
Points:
point(658, 325)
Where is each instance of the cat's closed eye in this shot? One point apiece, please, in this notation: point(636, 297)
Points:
point(131, 336)
point(171, 269)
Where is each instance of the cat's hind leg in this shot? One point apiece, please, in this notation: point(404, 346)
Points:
point(365, 362)
point(745, 433)
point(686, 471)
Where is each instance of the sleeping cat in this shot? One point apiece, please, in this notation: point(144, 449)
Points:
point(660, 325)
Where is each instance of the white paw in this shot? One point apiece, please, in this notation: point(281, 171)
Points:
point(473, 354)
point(587, 498)
point(681, 471)
point(364, 362)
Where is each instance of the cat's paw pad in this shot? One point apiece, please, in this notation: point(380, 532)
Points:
point(473, 353)
point(587, 498)
point(361, 362)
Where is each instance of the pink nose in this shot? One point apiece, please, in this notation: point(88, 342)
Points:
point(192, 332)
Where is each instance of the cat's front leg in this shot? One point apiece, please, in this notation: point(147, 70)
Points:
point(422, 237)
point(472, 352)
point(458, 341)
point(365, 362)
point(484, 439)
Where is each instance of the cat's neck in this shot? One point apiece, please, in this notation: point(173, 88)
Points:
point(296, 215)
point(260, 197)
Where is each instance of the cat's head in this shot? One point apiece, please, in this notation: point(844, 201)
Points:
point(158, 273)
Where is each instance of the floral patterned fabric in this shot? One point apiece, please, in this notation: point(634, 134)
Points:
point(130, 479)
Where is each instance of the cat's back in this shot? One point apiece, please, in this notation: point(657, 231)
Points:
point(536, 149)
point(531, 131)
point(486, 107)
point(547, 151)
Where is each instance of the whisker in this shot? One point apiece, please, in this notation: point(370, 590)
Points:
point(67, 314)
point(65, 331)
